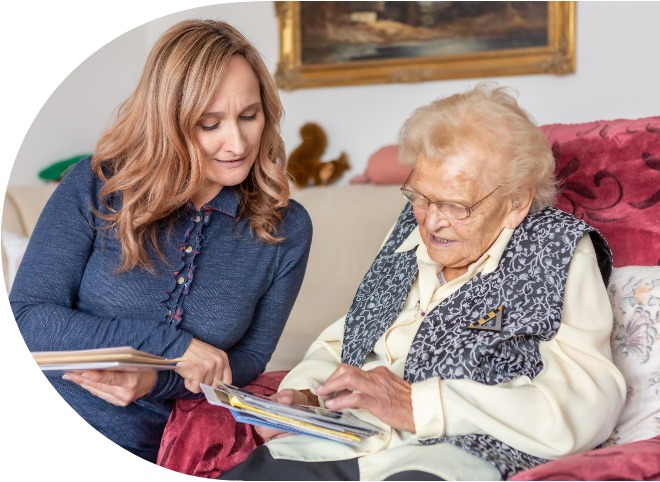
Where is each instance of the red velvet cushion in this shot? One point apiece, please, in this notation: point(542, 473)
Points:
point(631, 461)
point(204, 440)
point(611, 176)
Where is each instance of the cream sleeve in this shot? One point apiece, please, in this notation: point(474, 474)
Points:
point(320, 361)
point(571, 406)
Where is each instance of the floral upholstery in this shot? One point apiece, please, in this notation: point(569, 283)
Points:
point(635, 295)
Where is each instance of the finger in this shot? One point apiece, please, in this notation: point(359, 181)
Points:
point(351, 380)
point(350, 400)
point(334, 394)
point(226, 374)
point(285, 396)
point(105, 395)
point(88, 376)
point(192, 385)
point(268, 433)
point(93, 379)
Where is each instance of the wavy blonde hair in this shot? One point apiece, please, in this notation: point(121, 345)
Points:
point(150, 158)
point(485, 121)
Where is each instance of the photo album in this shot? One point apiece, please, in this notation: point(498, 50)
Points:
point(56, 363)
point(259, 410)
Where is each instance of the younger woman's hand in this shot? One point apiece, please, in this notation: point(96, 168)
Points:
point(115, 386)
point(203, 363)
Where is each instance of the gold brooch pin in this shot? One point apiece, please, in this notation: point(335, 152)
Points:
point(491, 321)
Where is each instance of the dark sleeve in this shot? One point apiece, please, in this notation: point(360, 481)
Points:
point(44, 294)
point(249, 357)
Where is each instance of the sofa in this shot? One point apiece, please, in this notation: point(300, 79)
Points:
point(610, 173)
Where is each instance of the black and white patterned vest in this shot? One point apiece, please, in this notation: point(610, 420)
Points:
point(528, 284)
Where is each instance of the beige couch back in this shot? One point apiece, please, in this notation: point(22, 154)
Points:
point(350, 224)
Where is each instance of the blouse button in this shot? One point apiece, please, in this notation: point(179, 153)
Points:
point(188, 249)
point(169, 314)
point(180, 280)
point(198, 218)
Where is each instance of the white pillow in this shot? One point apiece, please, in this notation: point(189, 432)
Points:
point(14, 246)
point(635, 296)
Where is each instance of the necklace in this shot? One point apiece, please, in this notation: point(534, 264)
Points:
point(419, 310)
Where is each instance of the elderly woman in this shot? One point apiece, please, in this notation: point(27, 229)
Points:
point(479, 338)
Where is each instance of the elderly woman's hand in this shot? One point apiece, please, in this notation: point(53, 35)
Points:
point(289, 397)
point(203, 363)
point(378, 391)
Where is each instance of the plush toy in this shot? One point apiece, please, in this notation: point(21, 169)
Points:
point(305, 164)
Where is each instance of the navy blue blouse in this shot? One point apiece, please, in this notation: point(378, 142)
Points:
point(220, 284)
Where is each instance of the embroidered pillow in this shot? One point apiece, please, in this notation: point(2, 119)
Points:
point(611, 172)
point(631, 453)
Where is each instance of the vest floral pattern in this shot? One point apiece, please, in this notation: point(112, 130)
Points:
point(528, 284)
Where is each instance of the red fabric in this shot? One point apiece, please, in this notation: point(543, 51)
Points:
point(204, 440)
point(631, 461)
point(611, 179)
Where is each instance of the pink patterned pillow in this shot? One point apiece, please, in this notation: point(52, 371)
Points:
point(611, 176)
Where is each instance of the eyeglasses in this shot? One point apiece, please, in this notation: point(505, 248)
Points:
point(452, 211)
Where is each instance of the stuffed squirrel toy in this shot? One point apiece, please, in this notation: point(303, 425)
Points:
point(305, 162)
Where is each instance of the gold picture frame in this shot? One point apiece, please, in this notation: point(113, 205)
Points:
point(554, 53)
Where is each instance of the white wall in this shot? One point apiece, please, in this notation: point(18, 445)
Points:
point(617, 74)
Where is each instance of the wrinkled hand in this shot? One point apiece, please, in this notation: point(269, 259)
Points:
point(117, 387)
point(203, 363)
point(378, 391)
point(289, 397)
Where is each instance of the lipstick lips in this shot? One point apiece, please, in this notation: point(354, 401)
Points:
point(232, 162)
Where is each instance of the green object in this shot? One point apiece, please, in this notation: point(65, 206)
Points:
point(57, 170)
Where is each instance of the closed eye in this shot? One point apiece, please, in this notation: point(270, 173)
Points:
point(210, 127)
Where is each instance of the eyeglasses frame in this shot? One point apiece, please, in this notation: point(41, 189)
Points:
point(468, 209)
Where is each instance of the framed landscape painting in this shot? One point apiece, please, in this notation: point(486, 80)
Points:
point(352, 43)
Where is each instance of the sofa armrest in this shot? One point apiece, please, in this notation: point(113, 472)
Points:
point(21, 210)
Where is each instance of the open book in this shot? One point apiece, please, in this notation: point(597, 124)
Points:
point(119, 358)
point(259, 410)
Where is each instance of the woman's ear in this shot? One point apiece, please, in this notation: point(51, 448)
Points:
point(521, 203)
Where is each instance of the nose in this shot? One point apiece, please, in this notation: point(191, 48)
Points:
point(434, 218)
point(235, 140)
